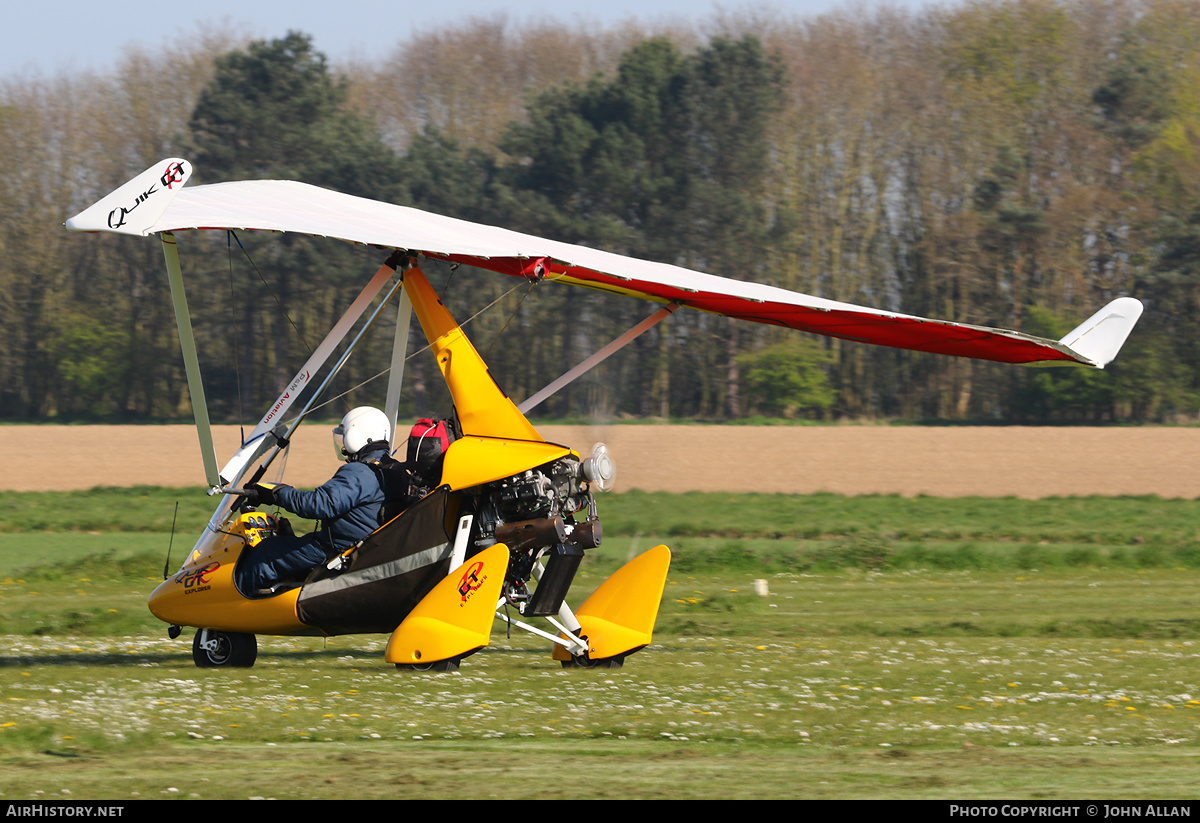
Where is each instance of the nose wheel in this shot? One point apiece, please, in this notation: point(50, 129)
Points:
point(211, 649)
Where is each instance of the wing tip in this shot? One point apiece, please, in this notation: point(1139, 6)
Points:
point(1097, 340)
point(135, 206)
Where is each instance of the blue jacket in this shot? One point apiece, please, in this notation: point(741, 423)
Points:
point(349, 505)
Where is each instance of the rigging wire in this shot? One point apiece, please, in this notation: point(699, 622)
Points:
point(449, 277)
point(516, 308)
point(271, 291)
point(453, 268)
point(496, 337)
point(281, 472)
point(230, 233)
point(424, 348)
point(288, 317)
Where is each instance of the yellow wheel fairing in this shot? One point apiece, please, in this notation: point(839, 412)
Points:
point(619, 616)
point(455, 618)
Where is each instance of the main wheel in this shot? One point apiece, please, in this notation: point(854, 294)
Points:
point(581, 661)
point(224, 649)
point(450, 665)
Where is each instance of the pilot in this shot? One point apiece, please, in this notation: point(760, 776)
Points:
point(349, 505)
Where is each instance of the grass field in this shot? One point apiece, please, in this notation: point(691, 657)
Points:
point(909, 648)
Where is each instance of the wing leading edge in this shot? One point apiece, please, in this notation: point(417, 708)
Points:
point(288, 206)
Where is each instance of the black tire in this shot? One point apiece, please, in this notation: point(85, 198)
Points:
point(229, 649)
point(585, 662)
point(450, 665)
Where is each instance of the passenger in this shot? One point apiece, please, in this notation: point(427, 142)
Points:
point(349, 505)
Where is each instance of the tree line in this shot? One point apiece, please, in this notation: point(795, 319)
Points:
point(1014, 163)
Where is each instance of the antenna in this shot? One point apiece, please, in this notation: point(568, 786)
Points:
point(171, 542)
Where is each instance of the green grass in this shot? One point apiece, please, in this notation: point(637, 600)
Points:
point(765, 715)
point(106, 509)
point(907, 649)
point(776, 532)
point(48, 551)
point(1118, 520)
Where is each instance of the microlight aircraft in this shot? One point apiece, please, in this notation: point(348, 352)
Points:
point(510, 516)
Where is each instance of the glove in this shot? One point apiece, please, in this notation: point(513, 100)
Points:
point(262, 495)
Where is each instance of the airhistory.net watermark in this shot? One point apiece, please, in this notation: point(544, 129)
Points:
point(61, 810)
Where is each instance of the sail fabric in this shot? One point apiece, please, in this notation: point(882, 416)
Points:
point(288, 206)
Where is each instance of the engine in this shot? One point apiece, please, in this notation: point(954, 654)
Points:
point(556, 489)
point(543, 501)
point(546, 511)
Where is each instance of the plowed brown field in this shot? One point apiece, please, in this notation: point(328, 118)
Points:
point(944, 462)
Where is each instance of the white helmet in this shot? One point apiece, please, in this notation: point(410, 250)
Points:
point(359, 428)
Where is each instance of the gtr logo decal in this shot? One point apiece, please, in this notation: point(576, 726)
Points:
point(471, 580)
point(172, 175)
point(196, 580)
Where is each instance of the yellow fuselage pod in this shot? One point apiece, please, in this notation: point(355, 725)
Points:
point(482, 406)
point(203, 594)
point(473, 461)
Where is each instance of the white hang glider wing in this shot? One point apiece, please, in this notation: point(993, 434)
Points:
point(286, 206)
